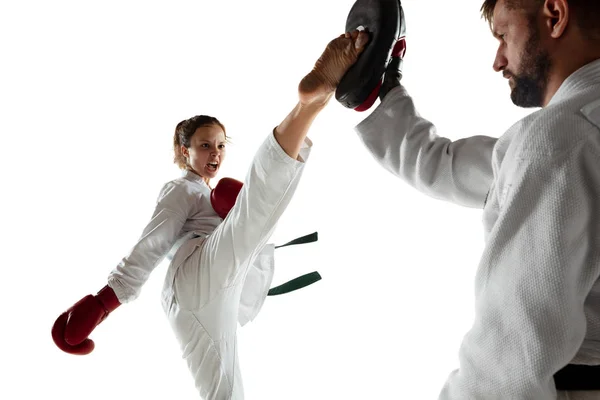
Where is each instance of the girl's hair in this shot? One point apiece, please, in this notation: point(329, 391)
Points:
point(184, 132)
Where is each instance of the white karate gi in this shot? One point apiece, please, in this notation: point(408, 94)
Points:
point(537, 285)
point(220, 273)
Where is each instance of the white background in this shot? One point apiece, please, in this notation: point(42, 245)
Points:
point(90, 93)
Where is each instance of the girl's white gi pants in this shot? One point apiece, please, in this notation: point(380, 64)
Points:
point(215, 281)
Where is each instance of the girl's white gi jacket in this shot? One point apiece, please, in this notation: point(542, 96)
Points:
point(183, 212)
point(537, 289)
point(220, 271)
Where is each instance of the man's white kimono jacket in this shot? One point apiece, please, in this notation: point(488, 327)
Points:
point(537, 291)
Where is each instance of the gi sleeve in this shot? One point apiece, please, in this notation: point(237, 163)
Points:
point(174, 205)
point(538, 267)
point(407, 145)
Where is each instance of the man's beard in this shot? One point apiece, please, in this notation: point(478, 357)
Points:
point(531, 83)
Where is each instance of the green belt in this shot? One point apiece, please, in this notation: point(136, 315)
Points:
point(301, 281)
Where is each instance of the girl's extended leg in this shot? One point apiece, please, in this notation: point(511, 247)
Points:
point(276, 169)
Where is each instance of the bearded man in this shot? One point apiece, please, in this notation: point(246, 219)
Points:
point(536, 331)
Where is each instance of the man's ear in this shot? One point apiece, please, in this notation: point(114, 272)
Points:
point(557, 14)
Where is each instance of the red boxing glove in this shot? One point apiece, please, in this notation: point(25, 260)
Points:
point(71, 330)
point(224, 195)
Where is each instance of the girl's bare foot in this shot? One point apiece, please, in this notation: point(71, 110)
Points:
point(340, 54)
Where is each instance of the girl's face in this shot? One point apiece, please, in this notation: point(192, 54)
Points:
point(207, 150)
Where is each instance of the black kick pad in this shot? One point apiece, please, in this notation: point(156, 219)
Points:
point(382, 19)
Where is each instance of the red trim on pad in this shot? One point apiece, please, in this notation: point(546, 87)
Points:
point(371, 99)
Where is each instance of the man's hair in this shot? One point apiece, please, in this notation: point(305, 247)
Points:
point(586, 13)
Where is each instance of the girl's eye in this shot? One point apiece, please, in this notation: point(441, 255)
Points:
point(221, 146)
point(205, 145)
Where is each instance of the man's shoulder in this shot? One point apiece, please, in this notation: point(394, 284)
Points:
point(555, 130)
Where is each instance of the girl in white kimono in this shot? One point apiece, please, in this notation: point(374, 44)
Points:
point(220, 270)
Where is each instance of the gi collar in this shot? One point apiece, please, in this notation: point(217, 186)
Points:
point(192, 176)
point(578, 81)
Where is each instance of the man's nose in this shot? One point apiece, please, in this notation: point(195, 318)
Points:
point(499, 62)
